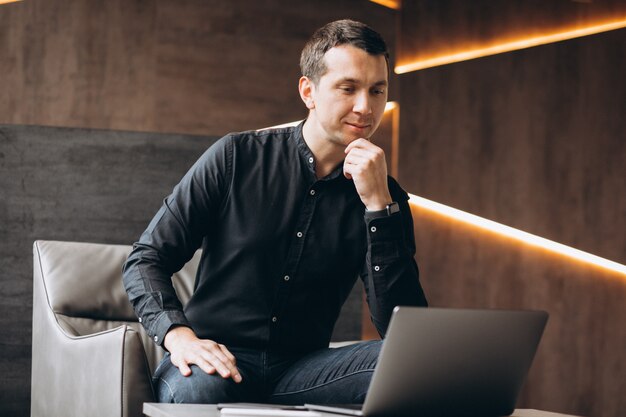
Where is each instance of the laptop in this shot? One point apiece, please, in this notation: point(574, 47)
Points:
point(450, 362)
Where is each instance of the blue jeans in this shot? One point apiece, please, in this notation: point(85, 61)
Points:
point(328, 376)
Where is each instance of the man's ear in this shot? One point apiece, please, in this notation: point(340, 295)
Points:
point(306, 87)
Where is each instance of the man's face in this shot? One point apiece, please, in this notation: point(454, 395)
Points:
point(349, 99)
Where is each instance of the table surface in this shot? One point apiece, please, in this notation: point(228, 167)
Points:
point(210, 410)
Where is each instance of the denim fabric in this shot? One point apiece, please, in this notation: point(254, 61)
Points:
point(340, 375)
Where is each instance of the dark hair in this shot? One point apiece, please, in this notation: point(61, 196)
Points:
point(339, 32)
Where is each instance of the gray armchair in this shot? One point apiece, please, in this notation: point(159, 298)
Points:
point(90, 355)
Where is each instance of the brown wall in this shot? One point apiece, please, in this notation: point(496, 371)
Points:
point(186, 66)
point(431, 28)
point(533, 139)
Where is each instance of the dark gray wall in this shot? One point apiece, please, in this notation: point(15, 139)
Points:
point(78, 185)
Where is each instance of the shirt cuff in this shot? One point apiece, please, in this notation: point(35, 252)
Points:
point(165, 321)
point(383, 227)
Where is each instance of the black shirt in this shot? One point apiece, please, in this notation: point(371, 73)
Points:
point(281, 249)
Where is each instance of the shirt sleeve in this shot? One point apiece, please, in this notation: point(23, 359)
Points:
point(390, 274)
point(171, 239)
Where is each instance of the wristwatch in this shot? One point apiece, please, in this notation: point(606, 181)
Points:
point(390, 209)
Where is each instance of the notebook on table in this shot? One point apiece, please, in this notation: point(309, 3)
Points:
point(450, 362)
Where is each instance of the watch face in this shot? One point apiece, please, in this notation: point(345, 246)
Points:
point(393, 208)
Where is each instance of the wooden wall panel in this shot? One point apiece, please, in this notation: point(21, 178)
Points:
point(533, 139)
point(205, 67)
point(442, 27)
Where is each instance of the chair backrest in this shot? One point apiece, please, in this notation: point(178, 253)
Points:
point(83, 284)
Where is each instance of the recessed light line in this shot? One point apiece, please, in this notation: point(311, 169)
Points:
point(508, 46)
point(516, 234)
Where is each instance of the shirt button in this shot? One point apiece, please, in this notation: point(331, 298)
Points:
point(140, 320)
point(311, 160)
point(274, 319)
point(377, 268)
point(156, 338)
point(373, 229)
point(299, 234)
point(312, 192)
point(286, 278)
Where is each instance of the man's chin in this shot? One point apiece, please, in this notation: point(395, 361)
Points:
point(348, 139)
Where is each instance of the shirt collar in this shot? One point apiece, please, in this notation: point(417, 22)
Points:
point(308, 157)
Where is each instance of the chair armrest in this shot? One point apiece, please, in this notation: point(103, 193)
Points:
point(95, 375)
point(88, 375)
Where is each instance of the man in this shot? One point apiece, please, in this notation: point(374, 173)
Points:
point(287, 219)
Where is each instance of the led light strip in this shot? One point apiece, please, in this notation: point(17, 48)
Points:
point(393, 108)
point(391, 105)
point(516, 234)
point(509, 46)
point(392, 4)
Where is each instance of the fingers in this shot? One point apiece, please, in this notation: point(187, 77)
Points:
point(362, 151)
point(231, 363)
point(361, 160)
point(209, 356)
point(227, 353)
point(184, 369)
point(360, 143)
point(210, 364)
point(361, 156)
point(219, 359)
point(365, 164)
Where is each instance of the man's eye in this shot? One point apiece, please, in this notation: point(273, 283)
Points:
point(347, 89)
point(379, 91)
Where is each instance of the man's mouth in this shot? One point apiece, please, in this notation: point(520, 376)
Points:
point(359, 125)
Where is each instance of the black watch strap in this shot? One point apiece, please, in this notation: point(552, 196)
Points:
point(390, 209)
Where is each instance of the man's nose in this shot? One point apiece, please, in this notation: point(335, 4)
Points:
point(362, 104)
